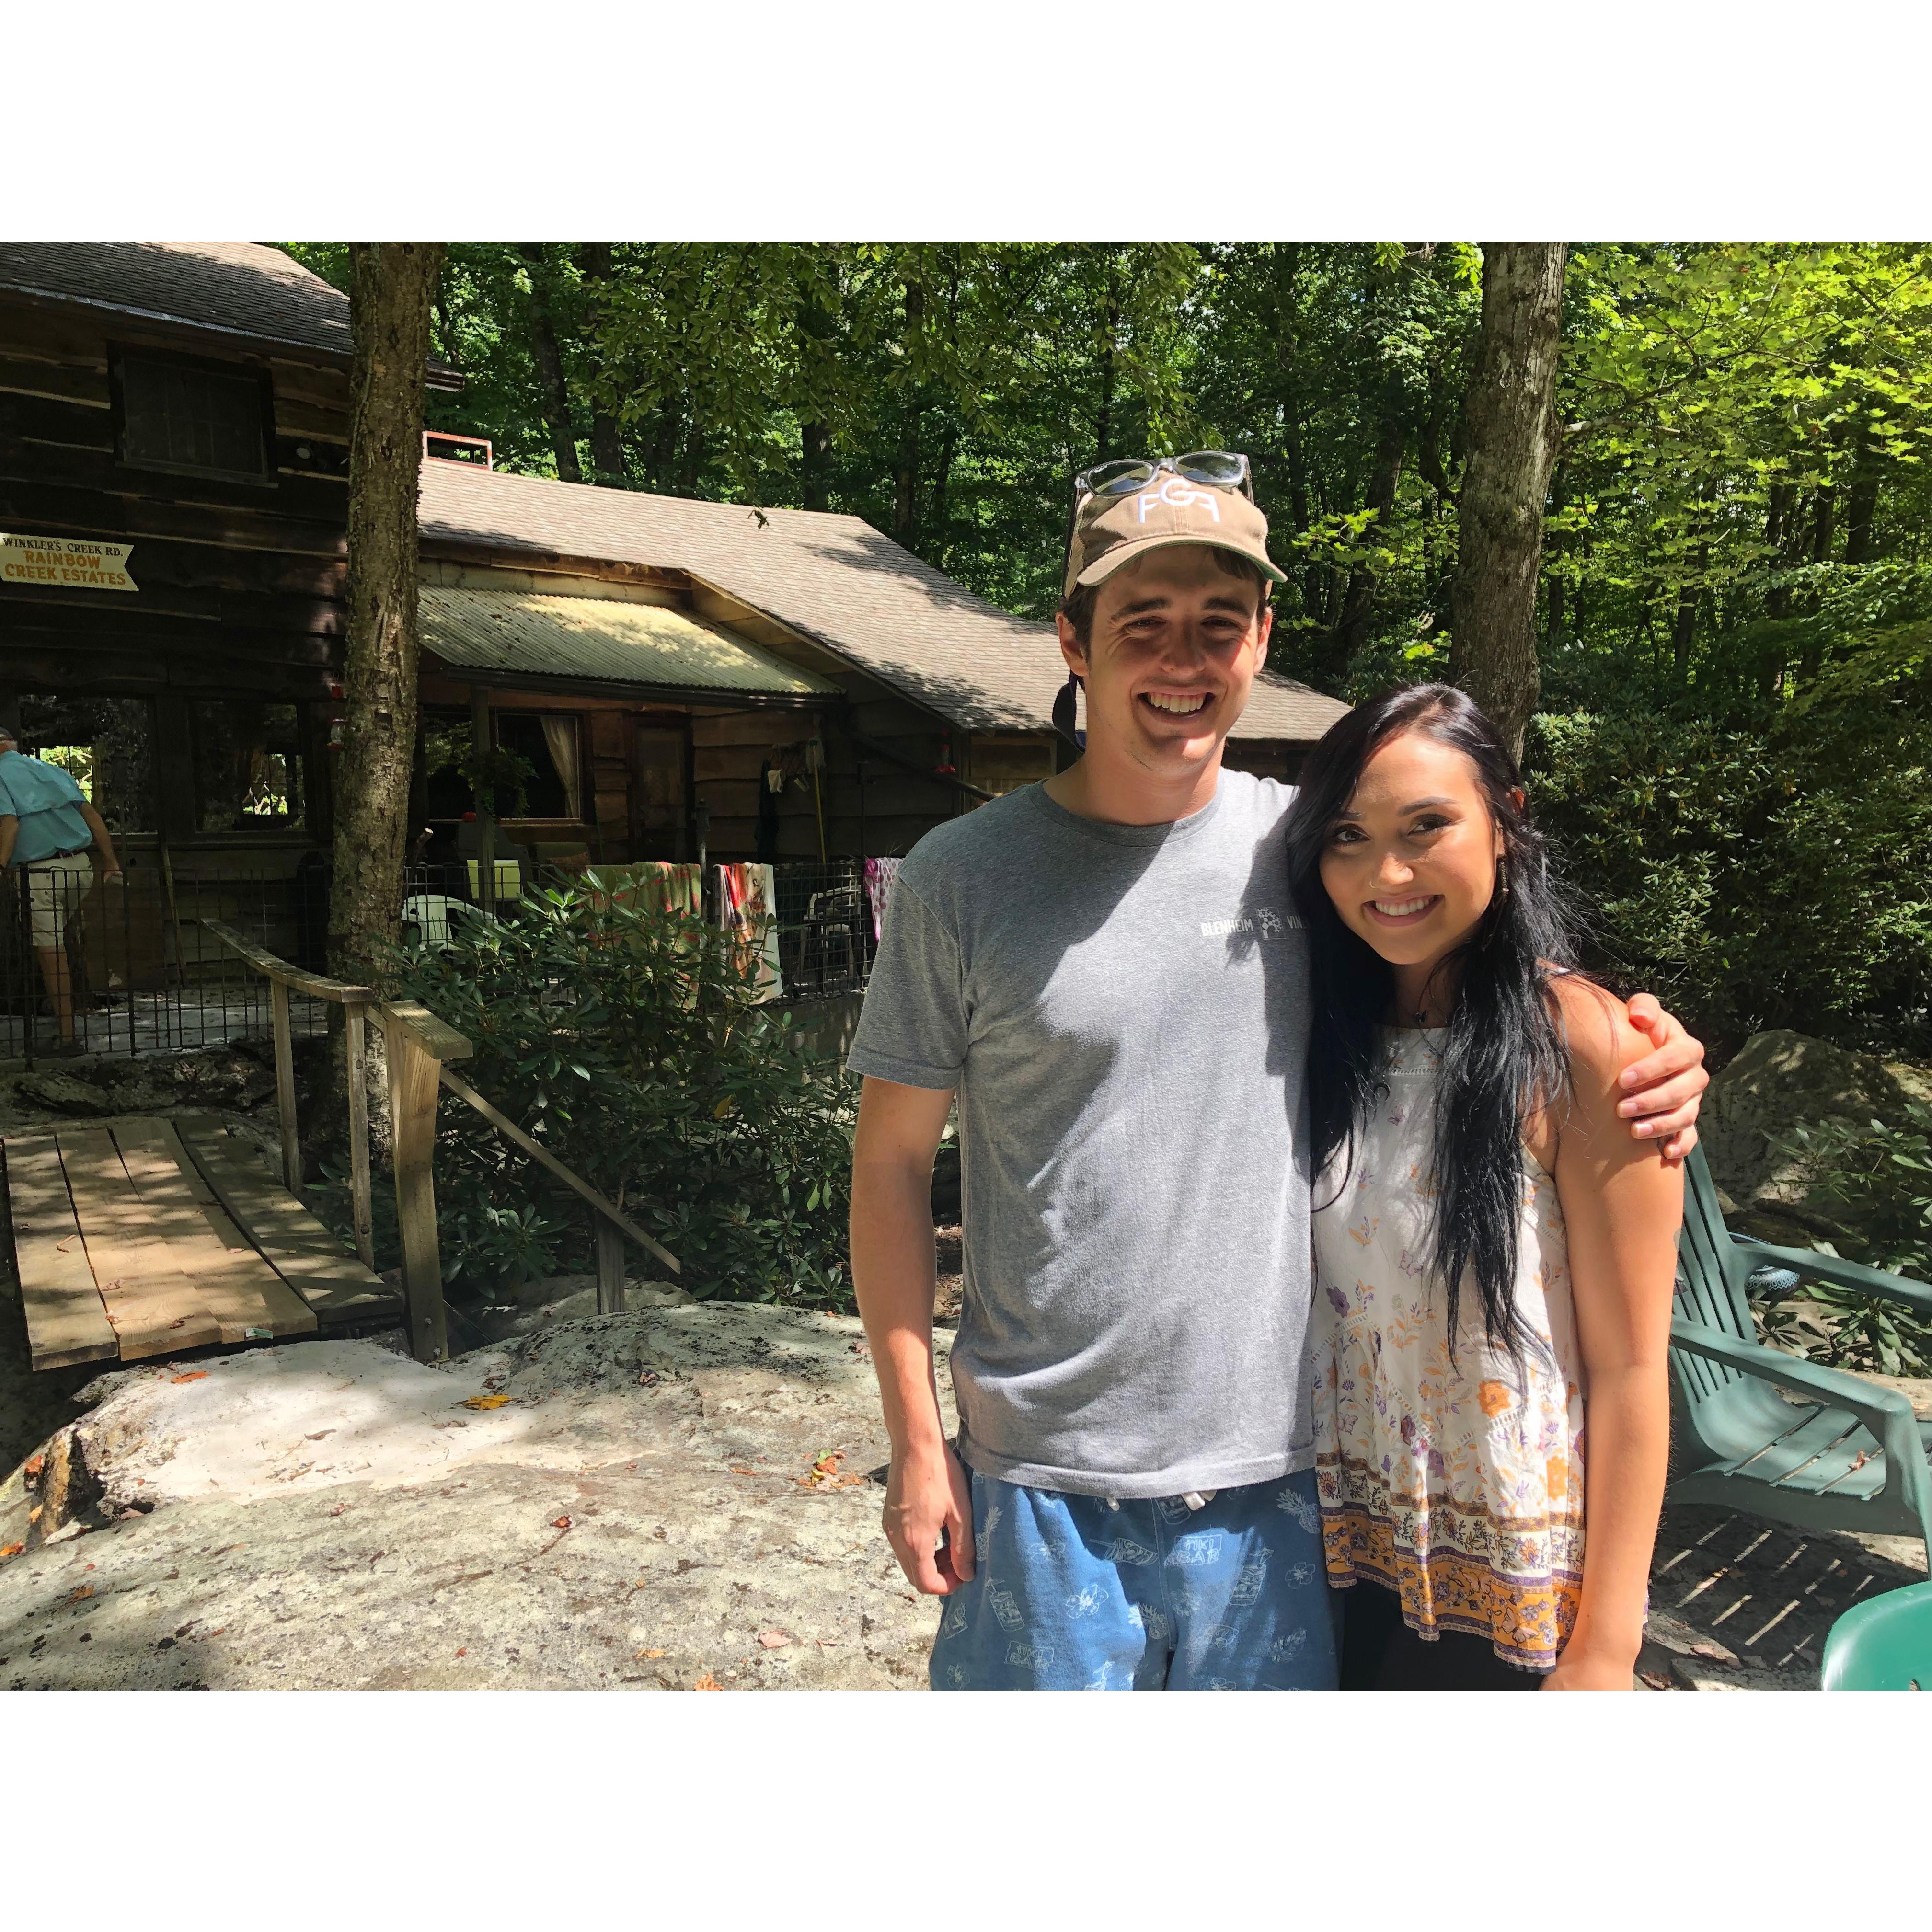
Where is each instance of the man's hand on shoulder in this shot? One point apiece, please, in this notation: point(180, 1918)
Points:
point(1663, 1091)
point(926, 1493)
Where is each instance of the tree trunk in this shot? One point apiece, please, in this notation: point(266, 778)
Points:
point(1429, 459)
point(1823, 523)
point(664, 447)
point(1555, 590)
point(1824, 519)
point(550, 368)
point(392, 282)
point(690, 461)
point(815, 326)
point(1306, 575)
point(1103, 421)
point(1358, 601)
point(1860, 508)
point(1776, 521)
point(1288, 361)
point(607, 444)
point(1510, 436)
point(942, 481)
point(815, 465)
point(1683, 632)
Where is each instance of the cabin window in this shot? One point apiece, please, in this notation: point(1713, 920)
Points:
point(197, 419)
point(1266, 757)
point(248, 766)
point(108, 744)
point(547, 742)
point(1003, 764)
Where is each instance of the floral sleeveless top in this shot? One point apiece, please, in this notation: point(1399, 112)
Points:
point(1456, 1483)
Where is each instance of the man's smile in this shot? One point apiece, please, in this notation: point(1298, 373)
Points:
point(1177, 704)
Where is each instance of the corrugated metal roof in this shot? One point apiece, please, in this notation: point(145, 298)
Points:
point(524, 632)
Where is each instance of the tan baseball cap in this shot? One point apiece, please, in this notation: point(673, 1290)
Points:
point(1109, 531)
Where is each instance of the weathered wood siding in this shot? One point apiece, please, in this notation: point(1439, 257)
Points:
point(897, 808)
point(241, 583)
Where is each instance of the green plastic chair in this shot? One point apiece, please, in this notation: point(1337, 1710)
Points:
point(1854, 1457)
point(1882, 1645)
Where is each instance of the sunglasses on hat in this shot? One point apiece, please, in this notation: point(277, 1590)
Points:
point(1121, 475)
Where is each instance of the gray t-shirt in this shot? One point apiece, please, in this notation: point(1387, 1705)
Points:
point(1123, 1010)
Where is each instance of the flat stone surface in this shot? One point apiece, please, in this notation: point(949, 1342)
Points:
point(332, 1514)
point(641, 1510)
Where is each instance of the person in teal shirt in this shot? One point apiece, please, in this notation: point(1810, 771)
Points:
point(49, 830)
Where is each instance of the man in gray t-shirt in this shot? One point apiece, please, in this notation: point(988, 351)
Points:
point(1121, 1009)
point(1107, 971)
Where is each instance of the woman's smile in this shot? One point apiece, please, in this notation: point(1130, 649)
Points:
point(1410, 911)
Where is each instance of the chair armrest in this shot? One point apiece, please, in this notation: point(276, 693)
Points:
point(1842, 1274)
point(1886, 1412)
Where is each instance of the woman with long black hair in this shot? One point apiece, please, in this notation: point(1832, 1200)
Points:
point(1494, 1251)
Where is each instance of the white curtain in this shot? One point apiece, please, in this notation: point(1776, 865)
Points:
point(560, 738)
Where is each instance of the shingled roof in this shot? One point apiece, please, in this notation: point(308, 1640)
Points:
point(239, 288)
point(840, 582)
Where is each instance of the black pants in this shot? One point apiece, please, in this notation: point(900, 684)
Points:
point(1380, 1652)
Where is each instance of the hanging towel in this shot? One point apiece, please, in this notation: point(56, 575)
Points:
point(880, 874)
point(748, 900)
point(676, 888)
point(654, 884)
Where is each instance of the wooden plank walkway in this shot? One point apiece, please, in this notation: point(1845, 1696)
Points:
point(132, 1239)
point(331, 1281)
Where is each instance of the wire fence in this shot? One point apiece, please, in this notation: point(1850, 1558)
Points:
point(825, 927)
point(125, 967)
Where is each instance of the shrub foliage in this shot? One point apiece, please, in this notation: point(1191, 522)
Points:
point(1774, 870)
point(627, 1041)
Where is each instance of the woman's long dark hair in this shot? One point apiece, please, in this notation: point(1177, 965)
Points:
point(1505, 1057)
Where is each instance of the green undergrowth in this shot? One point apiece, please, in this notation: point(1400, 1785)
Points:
point(630, 1044)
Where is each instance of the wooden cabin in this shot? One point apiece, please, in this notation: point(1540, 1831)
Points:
point(922, 699)
point(772, 685)
point(174, 460)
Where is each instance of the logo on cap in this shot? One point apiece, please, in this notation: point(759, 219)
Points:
point(1179, 494)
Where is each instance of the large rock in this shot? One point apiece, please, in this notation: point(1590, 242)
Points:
point(62, 1093)
point(1779, 1081)
point(672, 1498)
point(238, 1074)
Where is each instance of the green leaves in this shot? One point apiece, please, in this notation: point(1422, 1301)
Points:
point(687, 1103)
point(1866, 1173)
point(1758, 876)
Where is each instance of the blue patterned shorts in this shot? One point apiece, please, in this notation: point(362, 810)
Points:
point(1074, 1593)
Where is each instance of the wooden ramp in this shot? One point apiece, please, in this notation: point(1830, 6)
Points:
point(141, 1237)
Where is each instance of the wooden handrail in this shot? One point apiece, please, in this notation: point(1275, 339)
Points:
point(437, 1038)
point(264, 962)
point(420, 1047)
point(537, 1151)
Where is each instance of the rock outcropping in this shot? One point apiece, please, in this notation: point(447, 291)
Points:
point(674, 1497)
point(1779, 1081)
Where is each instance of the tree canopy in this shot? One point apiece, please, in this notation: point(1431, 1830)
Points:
point(1743, 424)
point(1734, 571)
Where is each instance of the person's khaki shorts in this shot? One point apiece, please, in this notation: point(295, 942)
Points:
point(55, 890)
